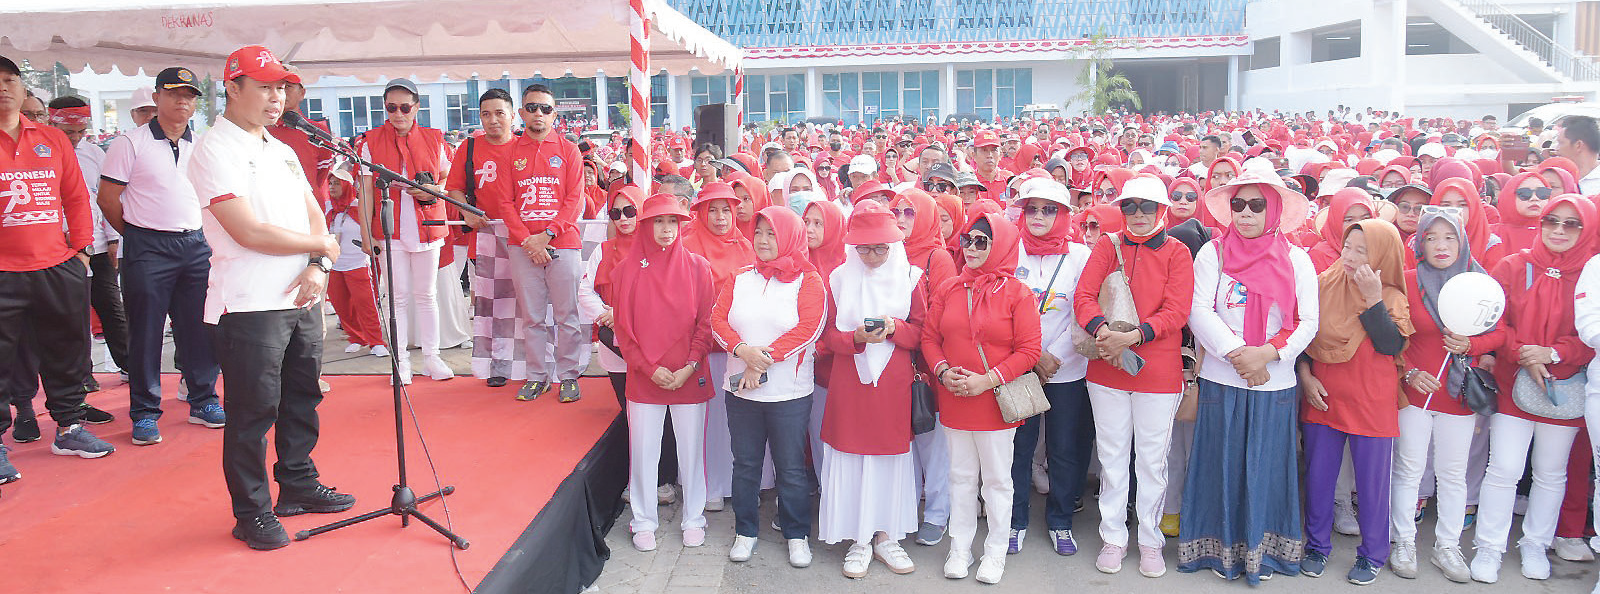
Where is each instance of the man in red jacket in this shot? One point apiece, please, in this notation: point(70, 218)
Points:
point(44, 274)
point(541, 214)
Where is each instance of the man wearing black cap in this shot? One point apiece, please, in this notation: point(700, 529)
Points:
point(44, 283)
point(146, 196)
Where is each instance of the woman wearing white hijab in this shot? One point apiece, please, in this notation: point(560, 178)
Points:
point(869, 494)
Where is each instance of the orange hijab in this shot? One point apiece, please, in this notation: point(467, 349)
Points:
point(1340, 332)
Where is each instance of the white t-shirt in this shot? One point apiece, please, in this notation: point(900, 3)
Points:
point(409, 229)
point(350, 255)
point(232, 164)
point(1058, 318)
point(1589, 184)
point(1217, 320)
point(157, 193)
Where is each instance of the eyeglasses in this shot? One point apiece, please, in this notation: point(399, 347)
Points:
point(35, 115)
point(398, 107)
point(880, 137)
point(904, 213)
point(1143, 143)
point(1550, 223)
point(1090, 226)
point(1184, 196)
point(873, 250)
point(1048, 210)
point(941, 187)
point(1256, 205)
point(1107, 193)
point(1406, 208)
point(1145, 206)
point(626, 212)
point(544, 108)
point(1533, 193)
point(978, 242)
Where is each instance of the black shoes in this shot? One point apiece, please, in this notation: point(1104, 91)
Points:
point(25, 428)
point(496, 381)
point(262, 533)
point(95, 416)
point(320, 500)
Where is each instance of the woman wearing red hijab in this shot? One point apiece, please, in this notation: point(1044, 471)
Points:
point(919, 217)
point(984, 308)
point(350, 287)
point(753, 197)
point(1184, 192)
point(825, 227)
point(1133, 406)
point(952, 219)
point(1080, 160)
point(1049, 265)
point(1561, 173)
point(1090, 223)
point(1537, 338)
point(1487, 248)
point(769, 317)
point(1346, 208)
point(866, 469)
point(1222, 171)
point(713, 235)
point(1107, 184)
point(662, 302)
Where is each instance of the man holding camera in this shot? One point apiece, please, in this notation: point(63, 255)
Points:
point(419, 153)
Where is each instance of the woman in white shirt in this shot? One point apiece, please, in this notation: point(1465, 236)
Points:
point(1254, 311)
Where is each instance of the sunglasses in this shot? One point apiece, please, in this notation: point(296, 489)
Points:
point(941, 187)
point(626, 212)
point(1107, 193)
point(1256, 205)
point(1434, 209)
point(1090, 226)
point(1406, 208)
point(1551, 223)
point(873, 250)
point(904, 213)
point(1533, 193)
point(978, 242)
point(400, 107)
point(1144, 206)
point(544, 108)
point(1184, 196)
point(1048, 210)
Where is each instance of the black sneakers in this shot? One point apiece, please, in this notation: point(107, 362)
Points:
point(496, 381)
point(25, 428)
point(95, 416)
point(320, 500)
point(262, 533)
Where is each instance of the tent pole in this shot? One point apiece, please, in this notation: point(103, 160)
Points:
point(639, 88)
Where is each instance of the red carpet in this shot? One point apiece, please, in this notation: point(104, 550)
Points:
point(156, 518)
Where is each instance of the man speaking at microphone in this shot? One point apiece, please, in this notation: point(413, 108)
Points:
point(271, 252)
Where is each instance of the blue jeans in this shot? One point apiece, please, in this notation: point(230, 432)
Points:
point(1068, 440)
point(164, 275)
point(754, 427)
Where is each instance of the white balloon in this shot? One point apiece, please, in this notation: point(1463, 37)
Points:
point(1471, 303)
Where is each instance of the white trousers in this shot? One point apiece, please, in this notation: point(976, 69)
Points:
point(932, 453)
point(646, 424)
point(455, 324)
point(1451, 438)
point(1510, 440)
point(980, 458)
point(416, 277)
point(1136, 424)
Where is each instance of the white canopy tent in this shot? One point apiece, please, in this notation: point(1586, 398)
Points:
point(374, 39)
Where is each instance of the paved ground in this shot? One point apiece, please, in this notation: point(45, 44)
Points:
point(673, 569)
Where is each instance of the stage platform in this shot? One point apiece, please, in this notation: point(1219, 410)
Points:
point(156, 518)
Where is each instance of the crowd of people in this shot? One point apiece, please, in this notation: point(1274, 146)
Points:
point(1234, 319)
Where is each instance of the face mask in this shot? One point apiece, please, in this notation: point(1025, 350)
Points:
point(1170, 170)
point(799, 200)
point(836, 145)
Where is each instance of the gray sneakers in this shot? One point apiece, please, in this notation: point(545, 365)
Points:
point(930, 534)
point(79, 442)
point(8, 472)
point(569, 391)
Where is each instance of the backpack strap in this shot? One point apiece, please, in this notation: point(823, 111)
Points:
point(472, 174)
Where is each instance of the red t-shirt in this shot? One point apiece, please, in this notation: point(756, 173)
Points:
point(42, 188)
point(316, 161)
point(491, 162)
point(547, 191)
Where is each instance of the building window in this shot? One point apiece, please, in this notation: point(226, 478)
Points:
point(1267, 53)
point(460, 112)
point(424, 115)
point(921, 94)
point(1013, 90)
point(705, 90)
point(841, 97)
point(1339, 42)
point(1001, 92)
point(311, 108)
point(658, 101)
point(359, 114)
point(880, 96)
point(779, 97)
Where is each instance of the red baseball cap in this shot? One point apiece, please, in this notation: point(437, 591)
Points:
point(257, 62)
point(985, 138)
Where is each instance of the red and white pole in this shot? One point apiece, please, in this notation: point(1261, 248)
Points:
point(639, 87)
point(738, 95)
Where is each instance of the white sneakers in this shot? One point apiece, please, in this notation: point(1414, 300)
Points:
point(1573, 549)
point(352, 348)
point(436, 368)
point(1344, 519)
point(743, 548)
point(1403, 558)
point(1535, 561)
point(714, 504)
point(1486, 566)
point(856, 560)
point(991, 568)
point(380, 351)
point(957, 564)
point(799, 552)
point(1450, 561)
point(893, 555)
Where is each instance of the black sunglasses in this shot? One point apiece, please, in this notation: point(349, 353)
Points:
point(879, 249)
point(980, 242)
point(1256, 205)
point(1552, 222)
point(1048, 210)
point(1185, 196)
point(1533, 193)
point(1145, 206)
point(1107, 193)
point(400, 107)
point(544, 108)
point(626, 212)
point(941, 187)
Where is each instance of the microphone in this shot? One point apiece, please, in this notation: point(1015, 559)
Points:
point(294, 120)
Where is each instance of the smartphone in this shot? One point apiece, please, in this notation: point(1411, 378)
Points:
point(873, 324)
point(738, 378)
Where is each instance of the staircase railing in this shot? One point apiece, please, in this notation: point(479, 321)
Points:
point(1562, 59)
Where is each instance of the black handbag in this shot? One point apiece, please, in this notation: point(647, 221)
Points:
point(923, 405)
point(1479, 391)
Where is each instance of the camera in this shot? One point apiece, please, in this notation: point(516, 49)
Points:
point(426, 178)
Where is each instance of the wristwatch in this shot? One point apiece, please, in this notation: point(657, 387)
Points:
point(322, 262)
point(1555, 356)
point(550, 232)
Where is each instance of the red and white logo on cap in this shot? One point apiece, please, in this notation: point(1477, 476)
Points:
point(257, 62)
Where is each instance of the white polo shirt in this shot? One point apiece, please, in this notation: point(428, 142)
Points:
point(232, 164)
point(157, 193)
point(1589, 184)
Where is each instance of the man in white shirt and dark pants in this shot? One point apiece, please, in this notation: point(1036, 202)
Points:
point(146, 195)
point(271, 253)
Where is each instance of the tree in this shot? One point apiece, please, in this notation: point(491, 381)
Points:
point(54, 80)
point(1101, 86)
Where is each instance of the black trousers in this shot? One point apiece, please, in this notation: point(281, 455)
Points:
point(165, 276)
point(47, 312)
point(270, 363)
point(105, 295)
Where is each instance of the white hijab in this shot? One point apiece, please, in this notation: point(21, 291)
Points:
point(860, 293)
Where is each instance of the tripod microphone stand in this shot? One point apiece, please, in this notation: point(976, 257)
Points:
point(404, 502)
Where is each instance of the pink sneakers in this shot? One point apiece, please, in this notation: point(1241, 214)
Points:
point(1151, 563)
point(1110, 559)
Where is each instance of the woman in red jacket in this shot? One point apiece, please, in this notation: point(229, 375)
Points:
point(989, 309)
point(1347, 207)
point(866, 469)
point(1537, 339)
point(662, 298)
point(1133, 405)
point(1521, 201)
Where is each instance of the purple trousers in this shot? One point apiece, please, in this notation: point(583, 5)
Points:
point(1370, 457)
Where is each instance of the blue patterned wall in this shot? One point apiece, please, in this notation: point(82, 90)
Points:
point(786, 23)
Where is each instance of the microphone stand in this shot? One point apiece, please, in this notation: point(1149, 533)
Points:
point(405, 501)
